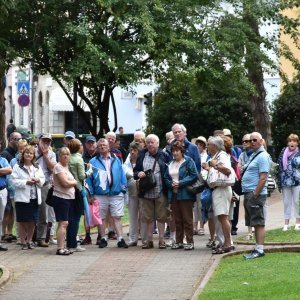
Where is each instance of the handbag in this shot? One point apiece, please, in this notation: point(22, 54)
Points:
point(198, 186)
point(237, 187)
point(216, 178)
point(94, 210)
point(49, 199)
point(149, 181)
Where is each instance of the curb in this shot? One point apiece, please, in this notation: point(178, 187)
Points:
point(6, 276)
point(269, 243)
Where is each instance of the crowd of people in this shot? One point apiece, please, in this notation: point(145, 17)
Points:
point(154, 183)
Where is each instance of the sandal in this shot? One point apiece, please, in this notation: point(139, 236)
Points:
point(162, 245)
point(147, 245)
point(177, 246)
point(211, 243)
point(222, 250)
point(63, 252)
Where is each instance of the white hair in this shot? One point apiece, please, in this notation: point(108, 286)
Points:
point(177, 125)
point(217, 140)
point(152, 136)
point(257, 134)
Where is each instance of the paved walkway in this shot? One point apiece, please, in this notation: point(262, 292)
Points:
point(113, 273)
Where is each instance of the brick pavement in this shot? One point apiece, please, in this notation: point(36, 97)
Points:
point(113, 273)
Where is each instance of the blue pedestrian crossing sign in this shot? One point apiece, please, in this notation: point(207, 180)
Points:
point(23, 87)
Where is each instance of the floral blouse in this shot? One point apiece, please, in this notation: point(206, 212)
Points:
point(290, 176)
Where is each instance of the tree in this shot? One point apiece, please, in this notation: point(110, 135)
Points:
point(202, 109)
point(7, 54)
point(98, 45)
point(286, 114)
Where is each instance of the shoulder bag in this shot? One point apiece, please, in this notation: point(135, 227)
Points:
point(49, 198)
point(216, 178)
point(237, 187)
point(148, 182)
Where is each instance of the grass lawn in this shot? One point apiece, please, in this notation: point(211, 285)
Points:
point(275, 276)
point(277, 235)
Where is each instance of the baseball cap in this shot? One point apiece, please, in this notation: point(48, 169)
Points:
point(45, 136)
point(90, 138)
point(70, 134)
point(201, 138)
point(226, 132)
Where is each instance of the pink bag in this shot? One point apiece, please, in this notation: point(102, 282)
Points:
point(94, 209)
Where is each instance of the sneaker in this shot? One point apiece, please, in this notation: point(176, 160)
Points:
point(170, 243)
point(201, 231)
point(98, 240)
point(286, 228)
point(155, 231)
point(111, 235)
point(102, 243)
point(2, 248)
point(297, 227)
point(77, 249)
point(87, 241)
point(122, 244)
point(132, 244)
point(254, 254)
point(53, 242)
point(233, 232)
point(8, 238)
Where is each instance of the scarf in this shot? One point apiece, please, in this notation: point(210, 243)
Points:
point(286, 155)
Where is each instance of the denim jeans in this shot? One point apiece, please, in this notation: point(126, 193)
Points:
point(72, 229)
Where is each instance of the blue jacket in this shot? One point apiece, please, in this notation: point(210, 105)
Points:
point(188, 174)
point(191, 150)
point(118, 183)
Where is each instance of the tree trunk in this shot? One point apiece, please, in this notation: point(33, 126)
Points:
point(253, 64)
point(2, 113)
point(103, 112)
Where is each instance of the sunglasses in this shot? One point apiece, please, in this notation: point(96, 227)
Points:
point(254, 140)
point(246, 141)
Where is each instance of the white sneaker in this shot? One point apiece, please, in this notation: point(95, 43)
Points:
point(297, 227)
point(78, 249)
point(53, 242)
point(286, 228)
point(170, 243)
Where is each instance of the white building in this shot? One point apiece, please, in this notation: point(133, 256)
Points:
point(51, 111)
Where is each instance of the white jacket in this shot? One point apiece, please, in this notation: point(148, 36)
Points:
point(19, 178)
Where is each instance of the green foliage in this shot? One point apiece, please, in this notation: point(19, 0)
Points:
point(286, 115)
point(274, 276)
point(183, 100)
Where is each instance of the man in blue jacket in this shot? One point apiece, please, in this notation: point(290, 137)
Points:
point(108, 184)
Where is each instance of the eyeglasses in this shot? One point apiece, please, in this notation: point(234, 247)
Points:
point(246, 141)
point(17, 139)
point(253, 140)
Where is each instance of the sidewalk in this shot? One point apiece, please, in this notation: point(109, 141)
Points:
point(113, 273)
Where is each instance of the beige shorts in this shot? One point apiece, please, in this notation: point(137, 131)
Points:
point(154, 209)
point(221, 200)
point(115, 204)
